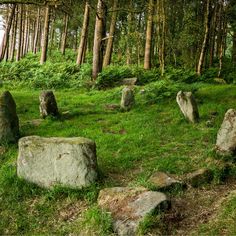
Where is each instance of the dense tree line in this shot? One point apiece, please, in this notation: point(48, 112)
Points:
point(153, 33)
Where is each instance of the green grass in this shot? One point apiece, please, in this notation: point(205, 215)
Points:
point(130, 147)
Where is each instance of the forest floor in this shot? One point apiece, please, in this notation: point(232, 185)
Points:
point(130, 147)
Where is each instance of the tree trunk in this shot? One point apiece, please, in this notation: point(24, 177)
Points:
point(129, 46)
point(20, 15)
point(148, 45)
point(45, 35)
point(64, 34)
point(109, 47)
point(5, 41)
point(205, 40)
point(14, 33)
point(84, 35)
point(162, 34)
point(36, 37)
point(234, 49)
point(99, 34)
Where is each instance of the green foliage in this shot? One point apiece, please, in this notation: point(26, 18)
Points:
point(111, 76)
point(181, 75)
point(51, 75)
point(166, 89)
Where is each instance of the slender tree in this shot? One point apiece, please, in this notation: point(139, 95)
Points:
point(5, 41)
point(149, 31)
point(45, 35)
point(84, 35)
point(109, 47)
point(99, 35)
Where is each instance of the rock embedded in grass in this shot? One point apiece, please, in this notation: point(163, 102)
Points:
point(226, 137)
point(130, 206)
point(163, 182)
point(188, 106)
point(9, 121)
point(199, 177)
point(69, 162)
point(48, 104)
point(127, 99)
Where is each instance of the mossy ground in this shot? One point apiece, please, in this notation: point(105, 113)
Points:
point(130, 147)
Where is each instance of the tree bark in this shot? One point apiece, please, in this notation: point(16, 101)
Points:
point(36, 35)
point(14, 34)
point(20, 13)
point(129, 46)
point(234, 48)
point(5, 41)
point(148, 45)
point(64, 34)
point(109, 47)
point(205, 40)
point(84, 35)
point(99, 34)
point(45, 35)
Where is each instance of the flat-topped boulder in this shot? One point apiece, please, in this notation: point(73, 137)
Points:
point(226, 137)
point(9, 122)
point(130, 206)
point(188, 106)
point(127, 99)
point(48, 104)
point(162, 181)
point(129, 81)
point(69, 162)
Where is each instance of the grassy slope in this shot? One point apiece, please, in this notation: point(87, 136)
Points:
point(130, 146)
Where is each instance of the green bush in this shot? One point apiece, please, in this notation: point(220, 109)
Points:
point(165, 89)
point(111, 76)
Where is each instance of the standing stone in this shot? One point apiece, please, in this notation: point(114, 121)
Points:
point(130, 206)
point(9, 122)
point(188, 106)
point(70, 162)
point(48, 104)
point(226, 137)
point(127, 100)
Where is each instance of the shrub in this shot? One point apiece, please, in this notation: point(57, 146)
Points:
point(112, 75)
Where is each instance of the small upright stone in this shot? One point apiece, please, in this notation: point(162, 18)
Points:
point(9, 122)
point(226, 137)
point(127, 100)
point(48, 104)
point(188, 106)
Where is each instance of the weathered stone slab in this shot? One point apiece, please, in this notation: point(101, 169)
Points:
point(129, 81)
point(188, 106)
point(48, 104)
point(70, 162)
point(226, 137)
point(199, 177)
point(129, 206)
point(162, 181)
point(9, 122)
point(128, 99)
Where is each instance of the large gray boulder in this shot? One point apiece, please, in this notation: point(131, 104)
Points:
point(70, 162)
point(127, 99)
point(226, 137)
point(9, 122)
point(130, 206)
point(188, 106)
point(48, 104)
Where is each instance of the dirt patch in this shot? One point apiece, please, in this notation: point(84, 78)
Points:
point(193, 208)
